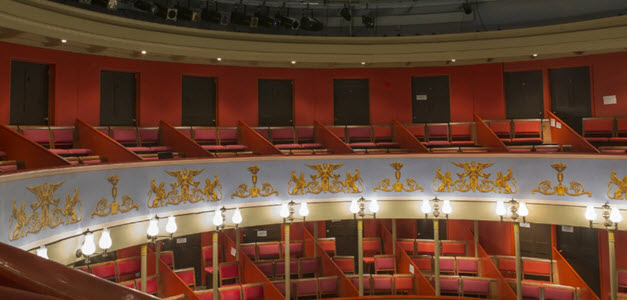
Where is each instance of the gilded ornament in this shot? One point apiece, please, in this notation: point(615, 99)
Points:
point(103, 208)
point(212, 188)
point(45, 213)
point(474, 179)
point(184, 179)
point(325, 181)
point(243, 191)
point(409, 186)
point(544, 187)
point(621, 187)
point(184, 190)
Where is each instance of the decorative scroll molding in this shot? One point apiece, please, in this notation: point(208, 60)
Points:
point(410, 185)
point(184, 190)
point(105, 209)
point(621, 187)
point(324, 181)
point(544, 187)
point(46, 212)
point(474, 179)
point(243, 191)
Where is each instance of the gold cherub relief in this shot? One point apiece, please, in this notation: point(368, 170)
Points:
point(184, 190)
point(621, 187)
point(47, 212)
point(103, 208)
point(475, 179)
point(544, 187)
point(243, 191)
point(409, 186)
point(325, 181)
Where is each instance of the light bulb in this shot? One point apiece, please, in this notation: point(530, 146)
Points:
point(522, 209)
point(374, 206)
point(615, 215)
point(500, 208)
point(217, 218)
point(591, 215)
point(237, 216)
point(171, 226)
point(153, 228)
point(89, 247)
point(285, 211)
point(105, 240)
point(425, 207)
point(304, 210)
point(446, 207)
point(42, 252)
point(354, 208)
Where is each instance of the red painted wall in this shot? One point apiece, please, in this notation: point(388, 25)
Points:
point(75, 85)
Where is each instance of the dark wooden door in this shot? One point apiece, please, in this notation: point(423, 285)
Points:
point(276, 106)
point(425, 229)
point(581, 249)
point(264, 233)
point(187, 252)
point(198, 101)
point(570, 95)
point(29, 93)
point(535, 240)
point(118, 98)
point(351, 102)
point(345, 234)
point(430, 99)
point(524, 95)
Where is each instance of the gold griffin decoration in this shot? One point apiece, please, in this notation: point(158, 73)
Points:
point(324, 181)
point(243, 191)
point(474, 179)
point(103, 208)
point(544, 187)
point(47, 212)
point(621, 187)
point(184, 190)
point(409, 186)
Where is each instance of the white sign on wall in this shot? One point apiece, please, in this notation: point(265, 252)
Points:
point(611, 99)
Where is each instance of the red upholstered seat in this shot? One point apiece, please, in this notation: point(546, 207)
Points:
point(124, 135)
point(263, 131)
point(288, 146)
point(367, 282)
point(425, 247)
point(296, 249)
point(214, 147)
point(308, 265)
point(280, 285)
point(305, 287)
point(128, 267)
point(533, 267)
point(359, 133)
point(423, 262)
point(463, 143)
point(597, 139)
point(613, 151)
point(384, 263)
point(129, 284)
point(8, 168)
point(227, 135)
point(279, 267)
point(79, 152)
point(339, 131)
point(311, 145)
point(104, 270)
point(205, 294)
point(530, 291)
point(188, 276)
point(475, 286)
point(438, 143)
point(407, 245)
point(283, 134)
point(228, 270)
point(554, 292)
point(3, 155)
point(266, 267)
point(449, 285)
point(328, 285)
point(230, 293)
point(526, 141)
point(363, 145)
point(268, 250)
point(454, 248)
point(388, 145)
point(62, 136)
point(437, 131)
point(160, 148)
point(304, 134)
point(369, 260)
point(205, 135)
point(148, 135)
point(382, 283)
point(598, 127)
point(521, 150)
point(618, 140)
point(461, 134)
point(207, 258)
point(328, 245)
point(248, 249)
point(253, 291)
point(345, 263)
point(622, 278)
point(236, 147)
point(467, 265)
point(168, 258)
point(151, 285)
point(139, 149)
point(502, 129)
point(403, 283)
point(59, 151)
point(37, 134)
point(447, 264)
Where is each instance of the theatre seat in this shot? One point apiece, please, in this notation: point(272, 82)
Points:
point(345, 263)
point(266, 267)
point(188, 276)
point(367, 282)
point(597, 130)
point(253, 291)
point(305, 287)
point(328, 286)
point(308, 266)
point(404, 284)
point(151, 284)
point(475, 286)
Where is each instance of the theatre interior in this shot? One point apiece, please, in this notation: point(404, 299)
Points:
point(288, 149)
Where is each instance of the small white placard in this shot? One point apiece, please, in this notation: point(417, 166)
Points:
point(262, 233)
point(567, 228)
point(233, 251)
point(611, 99)
point(181, 240)
point(411, 268)
point(552, 122)
point(421, 97)
point(558, 125)
point(526, 225)
point(335, 220)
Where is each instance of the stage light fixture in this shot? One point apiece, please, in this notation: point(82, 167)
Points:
point(186, 13)
point(467, 8)
point(147, 6)
point(265, 21)
point(240, 18)
point(287, 22)
point(110, 4)
point(311, 24)
point(346, 13)
point(171, 14)
point(368, 21)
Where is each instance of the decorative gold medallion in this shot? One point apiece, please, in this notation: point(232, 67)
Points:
point(324, 181)
point(184, 190)
point(621, 187)
point(243, 191)
point(46, 212)
point(544, 187)
point(105, 209)
point(409, 186)
point(474, 179)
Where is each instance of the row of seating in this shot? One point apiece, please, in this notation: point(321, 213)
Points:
point(427, 247)
point(9, 165)
point(221, 140)
point(301, 267)
point(460, 134)
point(124, 268)
point(467, 286)
point(546, 291)
point(319, 287)
point(455, 265)
point(518, 131)
point(605, 130)
point(622, 280)
point(248, 291)
point(533, 268)
point(386, 284)
point(292, 139)
point(367, 138)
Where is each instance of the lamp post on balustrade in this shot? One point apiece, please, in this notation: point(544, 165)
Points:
point(358, 208)
point(219, 220)
point(516, 209)
point(287, 213)
point(611, 217)
point(427, 209)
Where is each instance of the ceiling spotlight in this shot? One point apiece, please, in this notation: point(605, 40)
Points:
point(311, 24)
point(293, 62)
point(144, 52)
point(467, 8)
point(346, 13)
point(368, 21)
point(63, 41)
